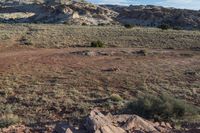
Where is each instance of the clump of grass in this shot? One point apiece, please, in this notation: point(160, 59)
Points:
point(164, 26)
point(97, 44)
point(25, 41)
point(161, 108)
point(128, 26)
point(9, 119)
point(190, 72)
point(5, 37)
point(84, 24)
point(177, 28)
point(102, 24)
point(116, 98)
point(142, 52)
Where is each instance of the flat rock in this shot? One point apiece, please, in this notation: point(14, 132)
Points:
point(136, 122)
point(99, 123)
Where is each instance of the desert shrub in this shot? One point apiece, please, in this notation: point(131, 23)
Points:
point(195, 48)
point(97, 44)
point(177, 28)
point(190, 72)
point(164, 26)
point(5, 37)
point(116, 98)
point(129, 26)
point(66, 23)
point(142, 52)
point(101, 24)
point(25, 41)
point(84, 24)
point(160, 108)
point(8, 119)
point(170, 47)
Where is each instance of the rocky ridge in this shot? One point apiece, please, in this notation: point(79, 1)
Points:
point(154, 16)
point(83, 13)
point(97, 122)
point(68, 12)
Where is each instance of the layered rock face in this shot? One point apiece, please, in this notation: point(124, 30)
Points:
point(156, 15)
point(96, 122)
point(52, 11)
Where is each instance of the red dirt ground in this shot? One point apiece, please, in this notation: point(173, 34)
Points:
point(52, 75)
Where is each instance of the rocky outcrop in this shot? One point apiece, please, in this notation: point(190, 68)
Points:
point(53, 11)
point(78, 13)
point(97, 122)
point(154, 16)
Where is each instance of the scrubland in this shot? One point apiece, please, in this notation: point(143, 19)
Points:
point(50, 73)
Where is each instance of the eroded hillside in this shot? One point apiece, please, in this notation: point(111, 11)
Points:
point(83, 13)
point(56, 12)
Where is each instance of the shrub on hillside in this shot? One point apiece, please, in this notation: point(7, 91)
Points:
point(25, 41)
point(97, 44)
point(116, 98)
point(177, 28)
point(84, 24)
point(8, 119)
point(129, 26)
point(164, 26)
point(142, 52)
point(101, 24)
point(160, 108)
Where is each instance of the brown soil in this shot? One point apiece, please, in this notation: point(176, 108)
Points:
point(45, 85)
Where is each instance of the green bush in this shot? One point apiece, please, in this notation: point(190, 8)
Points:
point(25, 41)
point(101, 24)
point(142, 52)
point(8, 119)
point(97, 44)
point(164, 26)
point(84, 24)
point(177, 28)
point(116, 98)
point(160, 108)
point(129, 26)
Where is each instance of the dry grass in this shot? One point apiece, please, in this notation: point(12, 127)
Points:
point(50, 85)
point(9, 119)
point(62, 36)
point(45, 85)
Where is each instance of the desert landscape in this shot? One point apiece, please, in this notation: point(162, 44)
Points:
point(96, 74)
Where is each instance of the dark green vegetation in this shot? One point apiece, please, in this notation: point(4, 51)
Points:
point(97, 44)
point(116, 98)
point(164, 26)
point(162, 107)
point(129, 26)
point(9, 119)
point(142, 52)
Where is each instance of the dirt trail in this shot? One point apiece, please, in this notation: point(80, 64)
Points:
point(21, 54)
